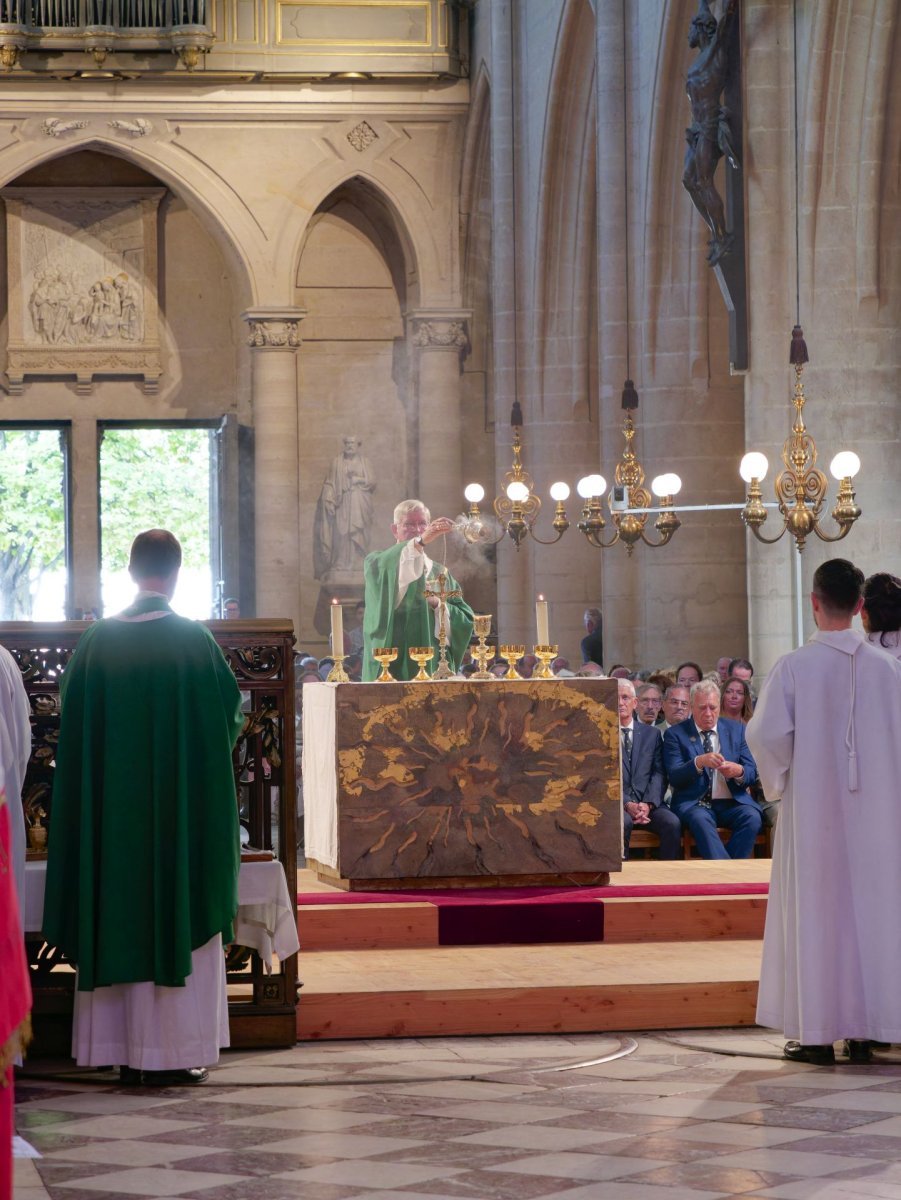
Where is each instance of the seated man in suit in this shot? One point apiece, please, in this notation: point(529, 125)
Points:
point(643, 779)
point(710, 769)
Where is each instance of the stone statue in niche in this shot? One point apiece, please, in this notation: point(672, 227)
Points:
point(344, 515)
point(709, 136)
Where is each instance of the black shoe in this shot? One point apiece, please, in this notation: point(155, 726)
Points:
point(819, 1056)
point(130, 1077)
point(858, 1051)
point(188, 1077)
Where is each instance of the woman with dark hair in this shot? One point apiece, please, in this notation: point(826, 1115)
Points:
point(736, 703)
point(881, 612)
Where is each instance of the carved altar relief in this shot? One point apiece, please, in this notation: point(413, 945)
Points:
point(82, 279)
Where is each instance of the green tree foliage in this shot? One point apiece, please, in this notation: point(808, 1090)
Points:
point(148, 478)
point(154, 478)
point(32, 514)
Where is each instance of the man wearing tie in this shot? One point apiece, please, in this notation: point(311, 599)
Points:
point(642, 778)
point(710, 769)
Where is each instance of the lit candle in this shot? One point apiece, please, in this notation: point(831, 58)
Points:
point(544, 637)
point(337, 627)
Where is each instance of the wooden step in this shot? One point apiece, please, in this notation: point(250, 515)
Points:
point(366, 926)
point(527, 989)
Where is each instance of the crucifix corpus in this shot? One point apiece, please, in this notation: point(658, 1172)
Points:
point(442, 671)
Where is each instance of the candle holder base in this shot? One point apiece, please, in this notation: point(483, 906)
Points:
point(337, 674)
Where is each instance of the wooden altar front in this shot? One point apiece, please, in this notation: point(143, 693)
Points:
point(462, 783)
point(262, 1006)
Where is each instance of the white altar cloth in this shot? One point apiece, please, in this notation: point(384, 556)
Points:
point(320, 782)
point(266, 920)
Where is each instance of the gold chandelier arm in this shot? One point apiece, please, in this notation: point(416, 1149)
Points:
point(599, 543)
point(761, 538)
point(844, 530)
point(547, 541)
point(666, 536)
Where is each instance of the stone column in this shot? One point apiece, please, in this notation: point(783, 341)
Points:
point(274, 338)
point(440, 340)
point(85, 524)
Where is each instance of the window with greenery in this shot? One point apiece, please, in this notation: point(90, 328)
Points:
point(150, 478)
point(33, 566)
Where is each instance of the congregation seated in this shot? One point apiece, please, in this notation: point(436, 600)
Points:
point(650, 702)
point(711, 770)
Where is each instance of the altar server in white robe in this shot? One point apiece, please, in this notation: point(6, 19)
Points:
point(15, 750)
point(826, 736)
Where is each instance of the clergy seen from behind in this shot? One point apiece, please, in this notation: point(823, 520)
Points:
point(826, 734)
point(142, 877)
point(398, 611)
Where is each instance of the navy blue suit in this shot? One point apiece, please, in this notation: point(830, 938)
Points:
point(691, 800)
point(644, 781)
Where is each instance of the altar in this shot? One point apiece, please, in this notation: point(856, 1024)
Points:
point(462, 783)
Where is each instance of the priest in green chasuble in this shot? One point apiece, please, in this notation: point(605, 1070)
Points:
point(142, 876)
point(399, 612)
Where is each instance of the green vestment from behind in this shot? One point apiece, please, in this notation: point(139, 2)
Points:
point(412, 622)
point(144, 841)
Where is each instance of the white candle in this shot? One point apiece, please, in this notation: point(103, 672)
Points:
point(337, 627)
point(544, 638)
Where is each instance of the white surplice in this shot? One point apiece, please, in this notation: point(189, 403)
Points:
point(826, 736)
point(153, 1028)
point(15, 750)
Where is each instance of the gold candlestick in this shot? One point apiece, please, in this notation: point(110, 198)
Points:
point(546, 654)
point(483, 654)
point(384, 655)
point(337, 674)
point(421, 655)
point(512, 654)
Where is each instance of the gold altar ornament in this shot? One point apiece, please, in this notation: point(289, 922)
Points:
point(337, 674)
point(421, 655)
point(483, 654)
point(512, 654)
point(384, 655)
point(801, 486)
point(545, 655)
point(442, 671)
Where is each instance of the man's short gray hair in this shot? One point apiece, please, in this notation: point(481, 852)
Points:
point(648, 687)
point(407, 506)
point(703, 687)
point(625, 685)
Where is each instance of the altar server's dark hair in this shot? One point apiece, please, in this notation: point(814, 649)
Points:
point(838, 585)
point(155, 554)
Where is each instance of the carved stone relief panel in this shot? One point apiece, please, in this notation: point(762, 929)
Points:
point(82, 283)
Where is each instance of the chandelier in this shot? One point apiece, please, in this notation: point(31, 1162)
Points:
point(801, 485)
point(517, 507)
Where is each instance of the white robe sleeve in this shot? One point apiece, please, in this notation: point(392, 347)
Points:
point(771, 731)
point(15, 750)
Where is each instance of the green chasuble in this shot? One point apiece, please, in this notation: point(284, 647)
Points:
point(144, 841)
point(412, 622)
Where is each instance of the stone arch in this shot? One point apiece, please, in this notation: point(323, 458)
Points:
point(221, 213)
point(564, 285)
point(404, 211)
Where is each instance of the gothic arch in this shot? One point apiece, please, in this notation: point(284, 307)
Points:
point(428, 277)
point(567, 205)
point(220, 212)
point(376, 208)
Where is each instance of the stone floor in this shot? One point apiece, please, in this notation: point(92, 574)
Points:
point(676, 1116)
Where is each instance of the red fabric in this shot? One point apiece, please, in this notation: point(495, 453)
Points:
point(15, 994)
point(15, 986)
point(532, 895)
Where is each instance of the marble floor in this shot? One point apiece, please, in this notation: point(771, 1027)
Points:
point(672, 1116)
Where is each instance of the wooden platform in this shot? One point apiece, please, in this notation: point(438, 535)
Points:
point(376, 970)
